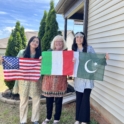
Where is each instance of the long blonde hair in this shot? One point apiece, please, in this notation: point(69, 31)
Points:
point(58, 37)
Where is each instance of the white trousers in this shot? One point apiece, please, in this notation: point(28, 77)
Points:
point(24, 109)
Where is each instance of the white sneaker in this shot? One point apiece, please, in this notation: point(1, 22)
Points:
point(56, 122)
point(46, 121)
point(76, 122)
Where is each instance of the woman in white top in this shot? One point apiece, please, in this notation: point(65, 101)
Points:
point(82, 86)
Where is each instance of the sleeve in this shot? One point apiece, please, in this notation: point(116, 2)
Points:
point(20, 54)
point(90, 49)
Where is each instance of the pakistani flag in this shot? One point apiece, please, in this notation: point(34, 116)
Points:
point(89, 66)
point(57, 63)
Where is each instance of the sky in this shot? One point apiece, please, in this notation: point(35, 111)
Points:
point(29, 13)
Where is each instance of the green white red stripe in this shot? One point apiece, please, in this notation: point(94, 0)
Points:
point(57, 63)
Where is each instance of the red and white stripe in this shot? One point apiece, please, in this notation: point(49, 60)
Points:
point(29, 70)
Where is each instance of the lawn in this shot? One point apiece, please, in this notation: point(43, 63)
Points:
point(3, 87)
point(10, 114)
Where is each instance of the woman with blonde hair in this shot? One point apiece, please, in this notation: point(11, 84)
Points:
point(54, 86)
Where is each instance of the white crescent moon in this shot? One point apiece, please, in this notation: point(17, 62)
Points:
point(86, 68)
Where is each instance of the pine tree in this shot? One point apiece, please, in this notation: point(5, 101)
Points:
point(9, 52)
point(15, 43)
point(18, 42)
point(42, 27)
point(51, 29)
point(23, 37)
point(17, 28)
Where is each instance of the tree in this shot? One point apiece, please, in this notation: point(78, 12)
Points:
point(16, 42)
point(42, 27)
point(9, 52)
point(51, 29)
point(16, 29)
point(23, 37)
point(12, 42)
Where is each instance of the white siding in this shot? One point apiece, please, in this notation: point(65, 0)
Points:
point(106, 35)
point(2, 51)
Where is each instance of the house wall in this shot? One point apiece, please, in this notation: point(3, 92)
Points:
point(106, 35)
point(2, 51)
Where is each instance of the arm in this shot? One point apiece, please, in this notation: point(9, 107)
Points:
point(91, 50)
point(20, 54)
point(1, 59)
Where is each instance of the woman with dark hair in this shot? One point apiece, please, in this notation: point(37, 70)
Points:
point(82, 44)
point(28, 89)
point(82, 86)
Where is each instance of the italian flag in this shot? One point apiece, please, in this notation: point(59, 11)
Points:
point(57, 63)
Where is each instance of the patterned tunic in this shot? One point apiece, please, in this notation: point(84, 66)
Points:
point(81, 84)
point(26, 88)
point(54, 86)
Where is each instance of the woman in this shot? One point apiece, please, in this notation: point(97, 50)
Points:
point(29, 88)
point(54, 87)
point(82, 87)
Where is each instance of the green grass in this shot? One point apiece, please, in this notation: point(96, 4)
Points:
point(10, 114)
point(3, 87)
point(93, 121)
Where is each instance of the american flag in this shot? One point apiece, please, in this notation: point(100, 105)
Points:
point(21, 68)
